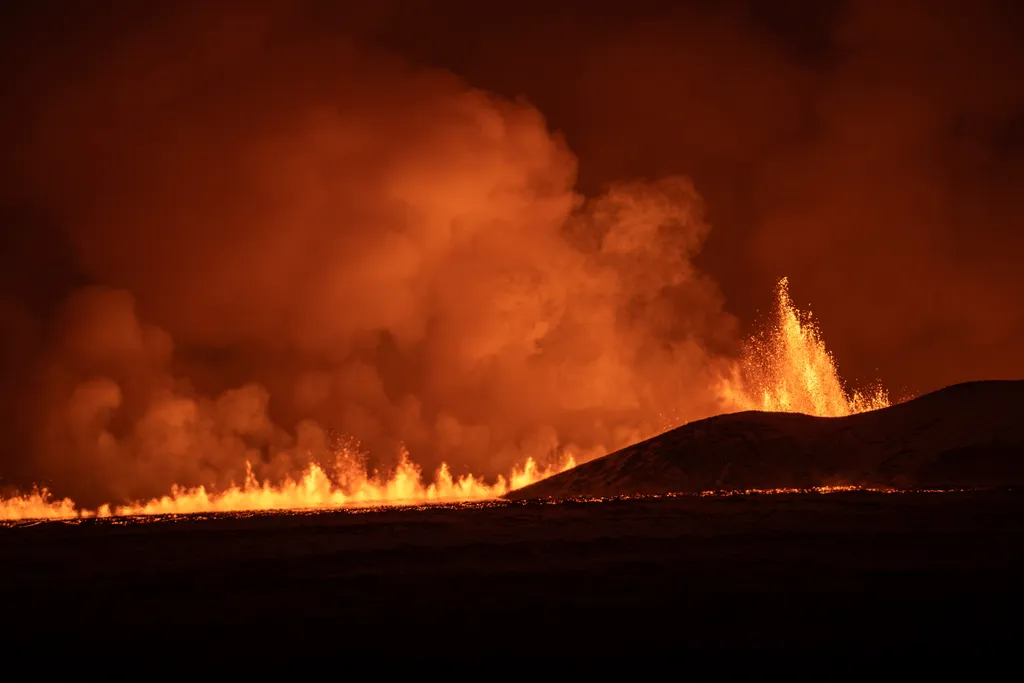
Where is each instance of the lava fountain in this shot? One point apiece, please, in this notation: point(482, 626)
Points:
point(788, 368)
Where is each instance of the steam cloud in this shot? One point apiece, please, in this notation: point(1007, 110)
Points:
point(283, 236)
point(297, 241)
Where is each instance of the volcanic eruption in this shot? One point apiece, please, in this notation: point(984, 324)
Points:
point(439, 326)
point(288, 265)
point(786, 368)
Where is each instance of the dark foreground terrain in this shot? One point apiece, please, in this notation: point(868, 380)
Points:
point(852, 571)
point(967, 435)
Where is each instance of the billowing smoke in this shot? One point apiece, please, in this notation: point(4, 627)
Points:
point(870, 150)
point(292, 240)
point(244, 230)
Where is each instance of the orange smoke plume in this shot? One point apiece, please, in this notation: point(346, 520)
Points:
point(280, 236)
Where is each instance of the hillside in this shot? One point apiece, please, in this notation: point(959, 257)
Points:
point(966, 435)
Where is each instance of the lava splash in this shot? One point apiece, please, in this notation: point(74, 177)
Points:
point(788, 368)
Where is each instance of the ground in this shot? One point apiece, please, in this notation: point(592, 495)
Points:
point(844, 570)
point(964, 436)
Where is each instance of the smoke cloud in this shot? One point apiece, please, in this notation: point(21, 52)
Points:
point(241, 231)
point(293, 240)
point(869, 150)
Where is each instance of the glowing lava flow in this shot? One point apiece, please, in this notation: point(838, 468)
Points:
point(788, 369)
point(38, 504)
point(313, 489)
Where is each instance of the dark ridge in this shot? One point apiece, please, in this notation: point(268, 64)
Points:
point(964, 436)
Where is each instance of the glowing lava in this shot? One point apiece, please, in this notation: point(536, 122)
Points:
point(38, 504)
point(789, 369)
point(786, 369)
point(313, 489)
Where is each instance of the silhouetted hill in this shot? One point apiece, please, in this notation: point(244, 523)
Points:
point(966, 435)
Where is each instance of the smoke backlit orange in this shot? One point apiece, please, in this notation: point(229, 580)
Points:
point(788, 369)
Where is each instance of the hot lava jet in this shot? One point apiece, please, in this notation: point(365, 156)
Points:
point(786, 369)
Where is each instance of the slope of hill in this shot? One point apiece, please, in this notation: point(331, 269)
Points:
point(966, 435)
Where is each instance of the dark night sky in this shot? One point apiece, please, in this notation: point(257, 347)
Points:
point(873, 152)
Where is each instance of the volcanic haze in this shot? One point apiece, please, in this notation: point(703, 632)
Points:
point(290, 239)
point(266, 240)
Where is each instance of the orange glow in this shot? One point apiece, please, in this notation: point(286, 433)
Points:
point(789, 369)
point(314, 488)
point(38, 504)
